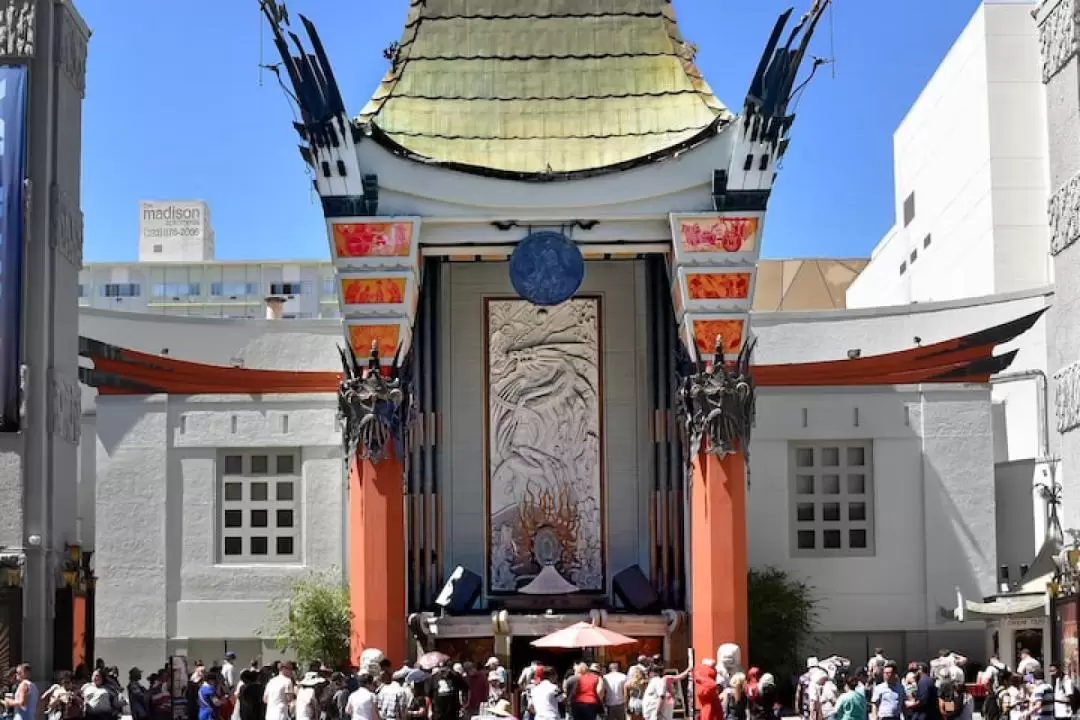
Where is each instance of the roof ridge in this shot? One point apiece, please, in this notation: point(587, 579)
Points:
point(598, 136)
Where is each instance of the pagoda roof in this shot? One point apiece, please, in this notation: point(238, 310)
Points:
point(539, 87)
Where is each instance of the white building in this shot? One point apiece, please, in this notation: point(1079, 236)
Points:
point(212, 288)
point(971, 173)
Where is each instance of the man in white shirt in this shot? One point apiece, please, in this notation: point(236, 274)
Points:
point(228, 671)
point(279, 693)
point(362, 704)
point(615, 697)
point(544, 697)
point(1027, 665)
point(494, 666)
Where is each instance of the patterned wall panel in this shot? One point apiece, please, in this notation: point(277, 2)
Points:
point(377, 261)
point(713, 266)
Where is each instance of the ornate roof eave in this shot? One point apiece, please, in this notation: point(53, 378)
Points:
point(369, 130)
point(967, 359)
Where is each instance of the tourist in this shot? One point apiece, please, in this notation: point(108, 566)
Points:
point(228, 671)
point(391, 695)
point(479, 683)
point(707, 691)
point(307, 706)
point(161, 700)
point(191, 691)
point(99, 703)
point(615, 693)
point(1027, 665)
point(585, 692)
point(60, 700)
point(501, 709)
point(544, 696)
point(636, 682)
point(923, 705)
point(447, 688)
point(138, 698)
point(852, 703)
point(822, 696)
point(887, 698)
point(362, 704)
point(493, 665)
point(735, 700)
point(209, 696)
point(250, 698)
point(1065, 695)
point(24, 702)
point(658, 701)
point(1042, 697)
point(280, 692)
point(875, 667)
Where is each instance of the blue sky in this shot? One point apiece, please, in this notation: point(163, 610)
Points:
point(177, 108)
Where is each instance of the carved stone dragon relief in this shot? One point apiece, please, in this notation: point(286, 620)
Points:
point(1067, 397)
point(67, 227)
point(717, 406)
point(1064, 214)
point(1059, 38)
point(65, 406)
point(375, 409)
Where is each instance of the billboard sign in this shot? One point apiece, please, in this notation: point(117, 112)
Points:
point(14, 83)
point(165, 220)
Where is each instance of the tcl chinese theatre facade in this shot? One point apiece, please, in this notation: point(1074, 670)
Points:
point(546, 230)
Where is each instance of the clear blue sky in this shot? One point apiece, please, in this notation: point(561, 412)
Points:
point(175, 109)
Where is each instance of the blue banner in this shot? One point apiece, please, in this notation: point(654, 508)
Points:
point(13, 96)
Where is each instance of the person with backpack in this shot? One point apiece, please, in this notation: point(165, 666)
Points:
point(950, 699)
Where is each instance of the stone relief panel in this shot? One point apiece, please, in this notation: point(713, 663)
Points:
point(17, 28)
point(1067, 397)
point(72, 52)
point(544, 449)
point(1058, 37)
point(67, 227)
point(65, 406)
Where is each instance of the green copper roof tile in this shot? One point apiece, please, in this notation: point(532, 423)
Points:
point(540, 86)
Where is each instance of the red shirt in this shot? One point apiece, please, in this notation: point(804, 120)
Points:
point(587, 684)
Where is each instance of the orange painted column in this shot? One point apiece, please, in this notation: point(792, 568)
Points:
point(377, 557)
point(718, 554)
point(78, 626)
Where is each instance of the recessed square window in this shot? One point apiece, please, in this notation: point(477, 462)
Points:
point(856, 484)
point(285, 546)
point(909, 209)
point(157, 248)
point(259, 518)
point(234, 491)
point(830, 539)
point(926, 241)
point(260, 464)
point(832, 511)
point(914, 255)
point(284, 491)
point(259, 491)
point(804, 457)
point(234, 546)
point(286, 465)
point(830, 484)
point(259, 546)
point(234, 518)
point(804, 484)
point(903, 267)
point(284, 518)
point(234, 465)
point(856, 456)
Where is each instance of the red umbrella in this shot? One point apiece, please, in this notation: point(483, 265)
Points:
point(583, 635)
point(431, 660)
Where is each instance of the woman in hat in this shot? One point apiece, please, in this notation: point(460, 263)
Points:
point(307, 708)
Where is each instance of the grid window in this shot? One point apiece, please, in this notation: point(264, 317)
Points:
point(259, 506)
point(832, 499)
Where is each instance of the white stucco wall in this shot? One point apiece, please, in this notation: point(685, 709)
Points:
point(973, 152)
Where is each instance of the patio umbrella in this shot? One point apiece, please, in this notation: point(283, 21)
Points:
point(417, 676)
point(431, 660)
point(583, 635)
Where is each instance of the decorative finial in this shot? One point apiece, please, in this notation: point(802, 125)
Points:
point(373, 359)
point(718, 349)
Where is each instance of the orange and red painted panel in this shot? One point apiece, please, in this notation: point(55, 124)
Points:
point(706, 328)
point(717, 234)
point(372, 239)
point(375, 290)
point(718, 285)
point(387, 335)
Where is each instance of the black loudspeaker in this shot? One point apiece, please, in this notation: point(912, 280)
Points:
point(460, 592)
point(635, 591)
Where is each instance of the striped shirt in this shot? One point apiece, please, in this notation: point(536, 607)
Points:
point(1044, 693)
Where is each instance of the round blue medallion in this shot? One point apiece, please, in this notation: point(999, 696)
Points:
point(546, 268)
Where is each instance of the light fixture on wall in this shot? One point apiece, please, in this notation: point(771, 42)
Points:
point(854, 353)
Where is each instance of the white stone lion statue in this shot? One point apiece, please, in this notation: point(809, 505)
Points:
point(371, 662)
point(728, 662)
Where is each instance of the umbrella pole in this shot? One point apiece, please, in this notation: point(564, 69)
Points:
point(691, 700)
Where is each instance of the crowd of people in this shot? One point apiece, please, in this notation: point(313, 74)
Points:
point(935, 690)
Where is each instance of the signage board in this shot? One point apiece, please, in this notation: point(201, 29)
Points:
point(14, 82)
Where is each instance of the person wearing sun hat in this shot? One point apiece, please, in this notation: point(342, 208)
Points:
point(307, 708)
point(500, 709)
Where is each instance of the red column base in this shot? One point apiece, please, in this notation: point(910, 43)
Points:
point(377, 557)
point(718, 554)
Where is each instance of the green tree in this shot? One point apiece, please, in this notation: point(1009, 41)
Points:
point(314, 621)
point(782, 616)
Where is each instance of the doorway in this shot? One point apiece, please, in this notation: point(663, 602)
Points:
point(522, 653)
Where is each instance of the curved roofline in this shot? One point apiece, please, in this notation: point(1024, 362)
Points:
point(370, 130)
